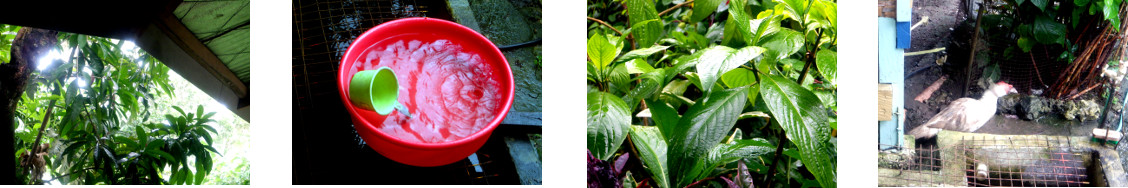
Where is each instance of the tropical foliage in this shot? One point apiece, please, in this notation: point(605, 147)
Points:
point(712, 92)
point(94, 111)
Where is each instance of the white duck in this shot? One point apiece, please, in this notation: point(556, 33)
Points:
point(964, 114)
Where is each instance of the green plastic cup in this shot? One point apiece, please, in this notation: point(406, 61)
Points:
point(376, 90)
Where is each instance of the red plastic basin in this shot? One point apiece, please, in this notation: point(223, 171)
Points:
point(416, 153)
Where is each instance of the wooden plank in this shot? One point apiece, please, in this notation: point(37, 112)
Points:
point(186, 40)
point(884, 102)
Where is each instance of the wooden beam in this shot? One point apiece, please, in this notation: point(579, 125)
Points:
point(175, 30)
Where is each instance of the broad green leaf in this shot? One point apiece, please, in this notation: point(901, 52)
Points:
point(715, 61)
point(665, 117)
point(703, 8)
point(1048, 31)
point(672, 92)
point(794, 9)
point(738, 29)
point(1111, 10)
point(648, 84)
point(619, 78)
point(651, 148)
point(638, 66)
point(767, 24)
point(730, 152)
point(1025, 44)
point(177, 108)
point(1041, 4)
point(738, 77)
point(199, 111)
point(601, 52)
point(701, 129)
point(608, 124)
point(802, 116)
point(641, 53)
point(187, 175)
point(827, 62)
point(162, 154)
point(155, 145)
point(646, 27)
point(200, 174)
point(782, 43)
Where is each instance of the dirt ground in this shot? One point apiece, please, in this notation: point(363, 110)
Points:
point(944, 18)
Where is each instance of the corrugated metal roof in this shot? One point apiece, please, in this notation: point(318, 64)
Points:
point(224, 26)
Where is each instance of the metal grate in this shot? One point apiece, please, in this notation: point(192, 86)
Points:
point(979, 162)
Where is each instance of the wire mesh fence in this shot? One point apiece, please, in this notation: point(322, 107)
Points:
point(990, 162)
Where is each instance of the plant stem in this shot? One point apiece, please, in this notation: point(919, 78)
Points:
point(810, 59)
point(605, 24)
point(775, 160)
point(971, 58)
point(674, 7)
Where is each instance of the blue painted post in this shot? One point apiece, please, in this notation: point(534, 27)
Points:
point(891, 70)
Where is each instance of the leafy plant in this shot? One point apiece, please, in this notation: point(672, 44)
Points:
point(94, 106)
point(709, 77)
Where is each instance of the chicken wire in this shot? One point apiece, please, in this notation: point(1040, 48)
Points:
point(1034, 72)
point(979, 162)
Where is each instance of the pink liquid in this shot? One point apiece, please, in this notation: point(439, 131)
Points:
point(451, 92)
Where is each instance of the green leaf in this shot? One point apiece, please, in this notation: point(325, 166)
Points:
point(1111, 10)
point(1025, 44)
point(641, 53)
point(702, 9)
point(702, 128)
point(665, 117)
point(187, 175)
point(764, 26)
point(155, 145)
point(738, 77)
point(128, 142)
point(1041, 4)
point(828, 65)
point(802, 116)
point(601, 52)
point(608, 123)
point(715, 61)
point(199, 111)
point(650, 83)
point(200, 174)
point(730, 152)
point(1048, 31)
point(646, 27)
point(738, 29)
point(638, 66)
point(782, 43)
point(162, 154)
point(651, 148)
point(177, 108)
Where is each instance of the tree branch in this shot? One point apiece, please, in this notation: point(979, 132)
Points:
point(605, 24)
point(674, 7)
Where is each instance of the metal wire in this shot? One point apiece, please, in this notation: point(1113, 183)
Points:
point(981, 162)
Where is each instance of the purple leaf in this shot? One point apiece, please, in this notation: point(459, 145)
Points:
point(600, 173)
point(621, 164)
